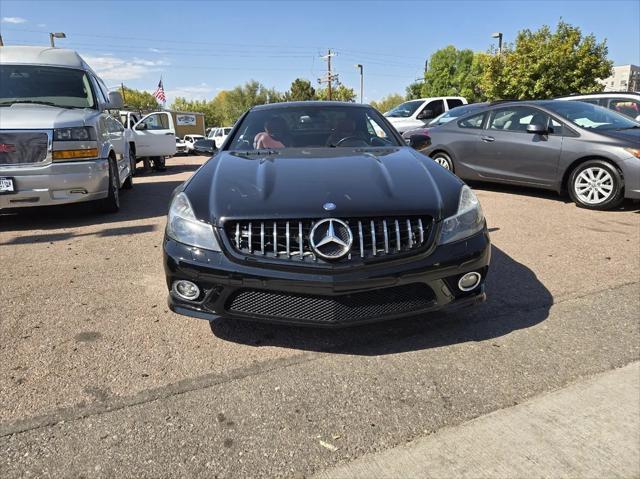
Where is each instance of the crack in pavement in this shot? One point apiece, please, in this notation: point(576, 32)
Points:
point(79, 412)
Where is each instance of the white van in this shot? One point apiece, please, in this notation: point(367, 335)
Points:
point(417, 113)
point(58, 142)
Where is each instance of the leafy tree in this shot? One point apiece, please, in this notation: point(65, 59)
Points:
point(139, 100)
point(339, 92)
point(544, 64)
point(300, 90)
point(453, 72)
point(241, 98)
point(388, 102)
point(414, 90)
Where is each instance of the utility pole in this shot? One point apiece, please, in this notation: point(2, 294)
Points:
point(124, 98)
point(330, 77)
point(1, 42)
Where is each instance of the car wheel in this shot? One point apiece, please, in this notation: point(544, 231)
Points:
point(128, 183)
point(111, 204)
point(159, 163)
point(596, 185)
point(443, 160)
point(133, 159)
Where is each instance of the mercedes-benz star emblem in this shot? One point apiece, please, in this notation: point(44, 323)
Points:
point(331, 238)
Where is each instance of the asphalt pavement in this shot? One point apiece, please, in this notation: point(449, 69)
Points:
point(99, 379)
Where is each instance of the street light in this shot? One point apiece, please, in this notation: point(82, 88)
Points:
point(361, 82)
point(498, 35)
point(56, 35)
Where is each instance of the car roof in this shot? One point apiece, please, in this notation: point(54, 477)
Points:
point(603, 94)
point(313, 104)
point(29, 55)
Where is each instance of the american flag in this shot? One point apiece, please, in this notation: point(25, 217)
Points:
point(159, 93)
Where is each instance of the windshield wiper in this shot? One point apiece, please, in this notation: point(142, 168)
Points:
point(628, 128)
point(36, 102)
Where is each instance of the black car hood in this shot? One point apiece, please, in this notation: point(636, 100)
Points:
point(297, 183)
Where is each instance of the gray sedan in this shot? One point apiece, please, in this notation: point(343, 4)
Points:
point(589, 151)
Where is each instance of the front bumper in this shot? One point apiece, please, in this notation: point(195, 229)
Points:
point(631, 174)
point(299, 295)
point(56, 183)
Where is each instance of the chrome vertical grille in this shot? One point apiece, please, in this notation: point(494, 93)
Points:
point(289, 239)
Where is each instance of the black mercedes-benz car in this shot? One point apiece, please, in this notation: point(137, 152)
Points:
point(318, 213)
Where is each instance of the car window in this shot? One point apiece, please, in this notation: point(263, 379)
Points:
point(630, 108)
point(454, 102)
point(404, 110)
point(436, 108)
point(312, 126)
point(589, 116)
point(156, 121)
point(474, 121)
point(516, 119)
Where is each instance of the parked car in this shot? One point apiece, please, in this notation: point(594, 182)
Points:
point(627, 103)
point(417, 113)
point(205, 146)
point(421, 137)
point(219, 135)
point(181, 146)
point(58, 142)
point(589, 151)
point(327, 223)
point(190, 140)
point(149, 137)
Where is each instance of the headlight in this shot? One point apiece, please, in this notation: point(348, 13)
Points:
point(81, 133)
point(634, 151)
point(183, 226)
point(466, 222)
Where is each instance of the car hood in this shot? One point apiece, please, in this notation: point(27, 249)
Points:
point(297, 183)
point(42, 117)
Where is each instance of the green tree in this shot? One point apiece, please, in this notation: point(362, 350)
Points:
point(339, 92)
point(414, 90)
point(453, 72)
point(388, 102)
point(544, 64)
point(139, 100)
point(300, 90)
point(241, 98)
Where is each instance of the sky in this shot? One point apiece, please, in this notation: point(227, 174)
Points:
point(202, 47)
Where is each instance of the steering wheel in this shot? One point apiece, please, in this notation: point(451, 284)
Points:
point(357, 139)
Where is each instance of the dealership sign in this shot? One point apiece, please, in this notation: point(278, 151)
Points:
point(183, 120)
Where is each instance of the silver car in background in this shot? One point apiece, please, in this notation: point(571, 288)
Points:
point(589, 151)
point(58, 143)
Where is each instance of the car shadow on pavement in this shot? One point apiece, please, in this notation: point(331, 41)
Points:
point(516, 299)
point(627, 205)
point(149, 199)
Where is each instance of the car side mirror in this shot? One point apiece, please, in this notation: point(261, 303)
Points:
point(537, 129)
point(115, 100)
point(140, 126)
point(638, 118)
point(419, 141)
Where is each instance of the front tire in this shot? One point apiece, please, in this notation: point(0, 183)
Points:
point(443, 160)
point(596, 185)
point(128, 183)
point(111, 204)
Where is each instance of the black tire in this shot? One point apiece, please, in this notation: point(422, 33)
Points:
point(111, 204)
point(159, 163)
point(596, 185)
point(128, 183)
point(443, 160)
point(133, 158)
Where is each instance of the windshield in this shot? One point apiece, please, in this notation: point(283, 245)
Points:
point(313, 126)
point(452, 114)
point(405, 109)
point(227, 131)
point(55, 86)
point(590, 116)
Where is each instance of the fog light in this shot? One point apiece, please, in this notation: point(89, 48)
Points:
point(469, 281)
point(186, 290)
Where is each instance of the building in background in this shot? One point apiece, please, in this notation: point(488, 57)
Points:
point(624, 78)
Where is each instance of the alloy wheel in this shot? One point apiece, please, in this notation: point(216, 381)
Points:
point(442, 161)
point(594, 185)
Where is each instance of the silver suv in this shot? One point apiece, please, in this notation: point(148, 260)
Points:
point(58, 143)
